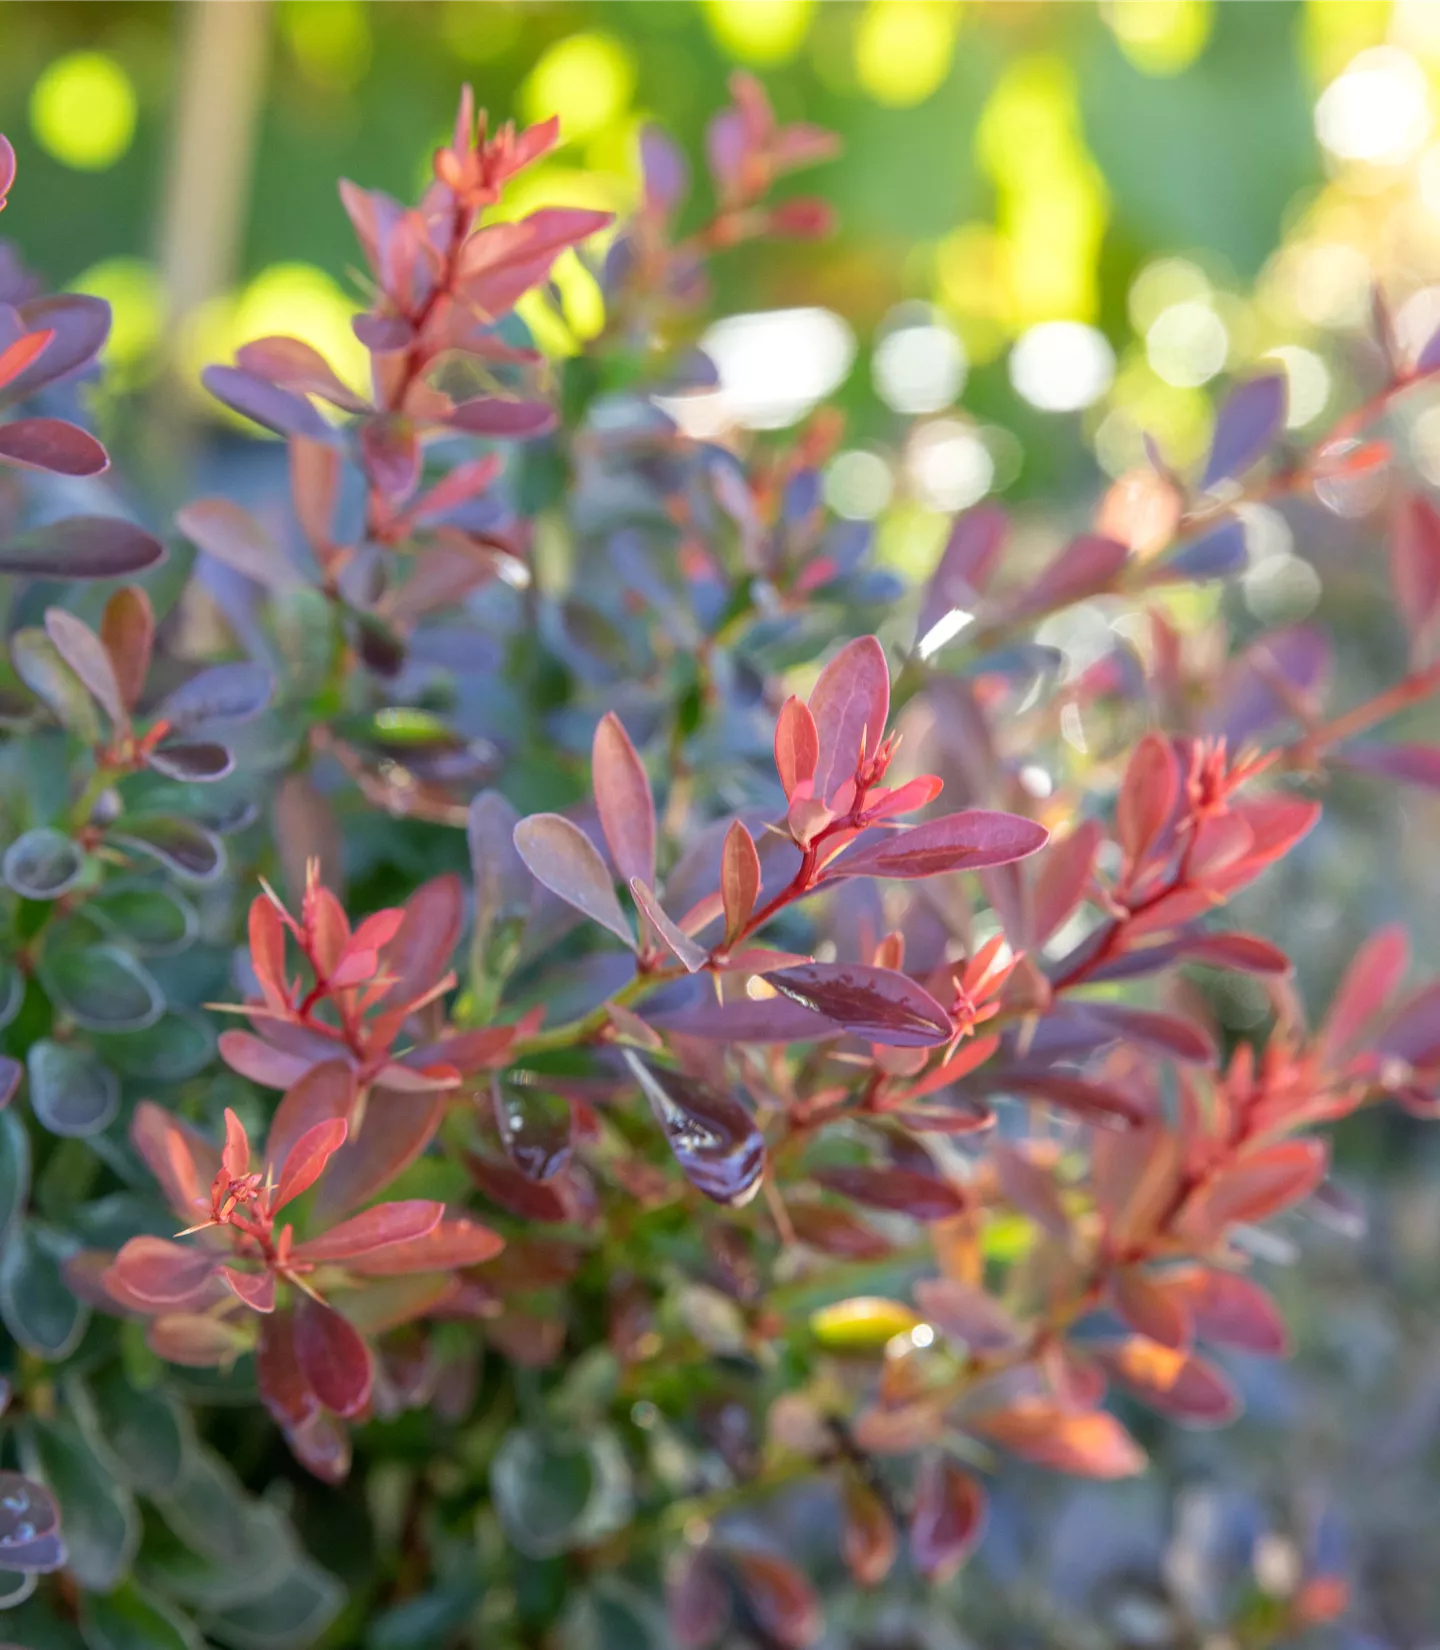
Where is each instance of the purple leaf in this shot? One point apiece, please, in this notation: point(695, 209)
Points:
point(664, 168)
point(266, 404)
point(851, 705)
point(52, 444)
point(502, 418)
point(1253, 415)
point(956, 842)
point(82, 547)
point(1219, 554)
point(295, 365)
point(1410, 764)
point(223, 693)
point(771, 1020)
point(81, 649)
point(233, 536)
point(714, 1138)
point(185, 847)
point(80, 324)
point(965, 567)
point(194, 761)
point(879, 1004)
point(1085, 566)
point(561, 856)
point(623, 801)
point(535, 1127)
point(1164, 1034)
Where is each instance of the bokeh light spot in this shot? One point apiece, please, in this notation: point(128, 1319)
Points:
point(919, 366)
point(949, 465)
point(903, 49)
point(82, 111)
point(587, 79)
point(133, 291)
point(1308, 384)
point(1160, 37)
point(762, 32)
point(1186, 344)
point(1062, 366)
point(330, 39)
point(1378, 110)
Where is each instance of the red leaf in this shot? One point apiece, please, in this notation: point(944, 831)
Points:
point(697, 1602)
point(79, 324)
point(1164, 1034)
point(372, 1229)
point(1063, 878)
point(1251, 418)
point(155, 1272)
point(779, 1597)
point(720, 1150)
point(1089, 1443)
point(52, 444)
point(1415, 564)
point(867, 1540)
point(1231, 1310)
point(82, 547)
point(1247, 953)
point(744, 1020)
point(879, 1004)
point(1147, 796)
point(452, 1244)
point(305, 1162)
point(686, 952)
point(1077, 1094)
point(235, 1156)
point(797, 746)
point(127, 629)
point(256, 1289)
point(955, 842)
point(561, 856)
point(1259, 1185)
point(1177, 1383)
point(395, 1130)
point(277, 1372)
point(1030, 1188)
point(903, 1191)
point(837, 1232)
point(851, 705)
point(623, 801)
point(169, 1150)
point(81, 649)
point(18, 355)
point(196, 1341)
point(967, 1314)
point(421, 950)
point(333, 1359)
point(1372, 978)
point(262, 1062)
point(231, 535)
point(739, 878)
point(1153, 1305)
point(948, 1520)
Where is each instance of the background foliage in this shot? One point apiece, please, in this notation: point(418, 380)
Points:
point(1209, 190)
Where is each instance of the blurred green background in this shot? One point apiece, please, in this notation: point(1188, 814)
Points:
point(1084, 219)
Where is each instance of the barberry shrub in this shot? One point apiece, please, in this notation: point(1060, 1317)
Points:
point(708, 1092)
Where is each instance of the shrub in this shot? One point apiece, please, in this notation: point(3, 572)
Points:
point(860, 1142)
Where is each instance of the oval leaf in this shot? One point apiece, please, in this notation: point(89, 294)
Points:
point(957, 842)
point(102, 988)
point(561, 856)
point(82, 547)
point(42, 864)
point(880, 1004)
point(71, 1092)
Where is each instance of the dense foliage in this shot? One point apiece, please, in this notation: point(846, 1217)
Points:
point(875, 1133)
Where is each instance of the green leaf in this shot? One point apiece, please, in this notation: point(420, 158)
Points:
point(179, 1046)
point(127, 1620)
point(42, 864)
point(291, 1615)
point(101, 988)
point(12, 993)
point(71, 1092)
point(241, 1547)
point(142, 1435)
point(36, 1303)
point(156, 922)
point(96, 1514)
point(554, 1493)
point(14, 1172)
point(49, 678)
